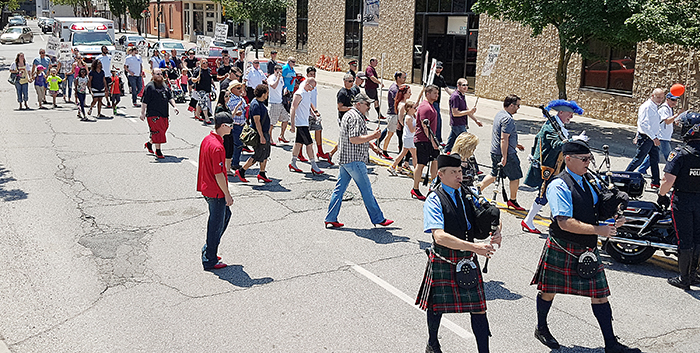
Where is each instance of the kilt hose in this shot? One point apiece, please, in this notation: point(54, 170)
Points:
point(556, 272)
point(439, 289)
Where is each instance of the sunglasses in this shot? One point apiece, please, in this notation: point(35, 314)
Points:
point(583, 159)
point(465, 85)
point(256, 63)
point(293, 62)
point(227, 125)
point(157, 74)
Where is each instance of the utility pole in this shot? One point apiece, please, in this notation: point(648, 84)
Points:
point(158, 18)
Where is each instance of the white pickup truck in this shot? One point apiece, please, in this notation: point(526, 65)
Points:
point(87, 34)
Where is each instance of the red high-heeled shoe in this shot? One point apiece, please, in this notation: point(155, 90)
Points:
point(281, 139)
point(240, 177)
point(265, 180)
point(333, 224)
point(417, 194)
point(525, 228)
point(302, 158)
point(317, 172)
point(385, 223)
point(148, 146)
point(514, 204)
point(294, 169)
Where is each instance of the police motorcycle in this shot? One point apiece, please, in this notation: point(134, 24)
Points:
point(648, 226)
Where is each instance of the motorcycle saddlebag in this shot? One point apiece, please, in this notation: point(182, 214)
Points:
point(630, 182)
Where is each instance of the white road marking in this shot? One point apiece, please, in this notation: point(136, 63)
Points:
point(458, 330)
point(194, 163)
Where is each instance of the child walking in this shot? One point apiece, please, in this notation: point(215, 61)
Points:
point(54, 83)
point(40, 85)
point(408, 112)
point(183, 81)
point(81, 86)
point(115, 92)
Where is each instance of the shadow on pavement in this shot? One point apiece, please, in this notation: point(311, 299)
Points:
point(171, 159)
point(9, 195)
point(235, 275)
point(424, 244)
point(578, 349)
point(645, 269)
point(380, 236)
point(495, 290)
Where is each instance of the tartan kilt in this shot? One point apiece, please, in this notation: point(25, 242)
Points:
point(556, 272)
point(439, 289)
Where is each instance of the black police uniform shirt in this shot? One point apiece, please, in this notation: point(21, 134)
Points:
point(684, 163)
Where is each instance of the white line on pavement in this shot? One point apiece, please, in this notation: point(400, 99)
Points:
point(194, 163)
point(461, 332)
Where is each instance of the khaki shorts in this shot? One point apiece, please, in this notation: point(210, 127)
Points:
point(278, 113)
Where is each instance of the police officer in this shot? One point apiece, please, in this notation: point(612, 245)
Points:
point(682, 172)
point(573, 236)
point(546, 152)
point(452, 228)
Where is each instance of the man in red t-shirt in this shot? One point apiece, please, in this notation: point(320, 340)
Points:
point(213, 184)
point(426, 147)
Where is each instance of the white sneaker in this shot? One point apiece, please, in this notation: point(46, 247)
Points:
point(392, 171)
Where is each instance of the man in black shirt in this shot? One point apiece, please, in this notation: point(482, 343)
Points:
point(271, 64)
point(344, 99)
point(176, 60)
point(439, 81)
point(202, 88)
point(191, 60)
point(240, 63)
point(156, 97)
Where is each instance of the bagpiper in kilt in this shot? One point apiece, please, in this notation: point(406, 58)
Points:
point(546, 156)
point(573, 240)
point(450, 222)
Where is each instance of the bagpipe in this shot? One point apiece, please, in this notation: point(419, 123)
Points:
point(549, 172)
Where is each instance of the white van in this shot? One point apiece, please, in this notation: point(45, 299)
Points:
point(87, 34)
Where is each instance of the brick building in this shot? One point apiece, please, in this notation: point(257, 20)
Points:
point(611, 88)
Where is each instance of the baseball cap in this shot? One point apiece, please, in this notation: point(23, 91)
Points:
point(361, 75)
point(438, 65)
point(223, 118)
point(671, 96)
point(362, 97)
point(273, 52)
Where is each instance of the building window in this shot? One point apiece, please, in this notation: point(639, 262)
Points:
point(302, 24)
point(276, 35)
point(352, 28)
point(253, 29)
point(609, 69)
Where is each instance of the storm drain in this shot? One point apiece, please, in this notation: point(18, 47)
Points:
point(326, 195)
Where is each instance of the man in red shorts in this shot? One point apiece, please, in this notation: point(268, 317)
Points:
point(156, 97)
point(213, 184)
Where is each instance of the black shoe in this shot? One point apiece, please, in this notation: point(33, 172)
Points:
point(546, 338)
point(695, 281)
point(679, 282)
point(431, 349)
point(618, 347)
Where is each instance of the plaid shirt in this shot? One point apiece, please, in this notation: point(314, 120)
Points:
point(232, 103)
point(353, 124)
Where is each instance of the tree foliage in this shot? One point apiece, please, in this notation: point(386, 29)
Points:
point(669, 22)
point(265, 13)
point(117, 7)
point(80, 7)
point(136, 7)
point(576, 22)
point(11, 4)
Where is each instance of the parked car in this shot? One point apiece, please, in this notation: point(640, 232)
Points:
point(168, 46)
point(254, 44)
point(17, 21)
point(17, 34)
point(130, 40)
point(621, 74)
point(47, 25)
point(228, 44)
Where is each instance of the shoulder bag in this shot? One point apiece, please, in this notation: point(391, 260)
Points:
point(249, 136)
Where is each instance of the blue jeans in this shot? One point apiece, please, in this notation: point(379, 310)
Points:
point(665, 149)
point(456, 131)
point(438, 132)
point(68, 86)
point(356, 171)
point(136, 85)
point(219, 215)
point(645, 147)
point(22, 92)
point(237, 145)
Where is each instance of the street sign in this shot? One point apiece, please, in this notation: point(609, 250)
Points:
point(203, 43)
point(118, 60)
point(221, 32)
point(52, 46)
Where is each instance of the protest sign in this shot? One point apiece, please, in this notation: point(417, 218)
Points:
point(52, 46)
point(221, 32)
point(203, 43)
point(118, 60)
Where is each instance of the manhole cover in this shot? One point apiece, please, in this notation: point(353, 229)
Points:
point(326, 195)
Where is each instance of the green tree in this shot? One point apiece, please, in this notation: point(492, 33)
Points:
point(265, 13)
point(669, 22)
point(136, 8)
point(576, 22)
point(118, 9)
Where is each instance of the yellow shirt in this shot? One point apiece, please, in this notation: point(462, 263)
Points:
point(53, 82)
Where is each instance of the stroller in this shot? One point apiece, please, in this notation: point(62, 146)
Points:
point(177, 92)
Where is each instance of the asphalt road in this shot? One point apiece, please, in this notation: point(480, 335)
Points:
point(100, 245)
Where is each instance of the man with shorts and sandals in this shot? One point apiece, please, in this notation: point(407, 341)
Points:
point(277, 111)
point(300, 111)
point(154, 107)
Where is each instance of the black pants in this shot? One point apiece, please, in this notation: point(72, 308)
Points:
point(685, 209)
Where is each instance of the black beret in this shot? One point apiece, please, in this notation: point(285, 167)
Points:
point(575, 147)
point(449, 160)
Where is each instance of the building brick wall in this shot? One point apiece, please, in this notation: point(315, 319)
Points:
point(173, 25)
point(526, 66)
point(393, 36)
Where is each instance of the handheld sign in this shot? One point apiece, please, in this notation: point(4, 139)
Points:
point(221, 32)
point(52, 46)
point(203, 43)
point(431, 76)
point(118, 60)
point(143, 49)
point(64, 52)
